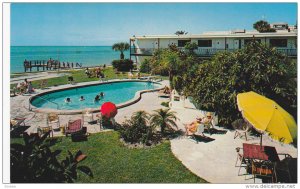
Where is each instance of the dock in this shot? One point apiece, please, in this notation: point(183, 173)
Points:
point(42, 65)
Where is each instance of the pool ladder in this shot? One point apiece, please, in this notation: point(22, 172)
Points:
point(57, 105)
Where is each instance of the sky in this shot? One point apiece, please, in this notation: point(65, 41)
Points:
point(97, 24)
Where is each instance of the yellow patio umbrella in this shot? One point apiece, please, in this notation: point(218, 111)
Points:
point(267, 116)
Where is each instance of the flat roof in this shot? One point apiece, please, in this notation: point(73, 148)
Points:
point(221, 34)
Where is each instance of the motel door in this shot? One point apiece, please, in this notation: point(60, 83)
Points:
point(237, 44)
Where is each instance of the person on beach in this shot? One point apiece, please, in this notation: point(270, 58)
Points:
point(68, 65)
point(29, 88)
point(97, 98)
point(64, 65)
point(72, 64)
point(25, 82)
point(68, 100)
point(81, 98)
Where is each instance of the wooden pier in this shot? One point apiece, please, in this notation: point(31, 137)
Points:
point(42, 65)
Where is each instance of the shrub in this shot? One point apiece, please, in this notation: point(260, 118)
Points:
point(257, 68)
point(136, 130)
point(123, 65)
point(145, 66)
point(166, 104)
point(34, 162)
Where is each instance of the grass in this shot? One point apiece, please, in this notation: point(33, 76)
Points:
point(111, 162)
point(79, 76)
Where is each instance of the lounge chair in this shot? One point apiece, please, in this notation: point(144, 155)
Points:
point(74, 127)
point(16, 122)
point(43, 83)
point(53, 118)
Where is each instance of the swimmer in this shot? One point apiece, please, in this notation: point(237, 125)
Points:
point(68, 100)
point(97, 98)
point(102, 94)
point(81, 98)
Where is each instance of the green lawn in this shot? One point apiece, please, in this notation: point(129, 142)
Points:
point(111, 162)
point(79, 76)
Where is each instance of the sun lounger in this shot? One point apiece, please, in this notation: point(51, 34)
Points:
point(16, 122)
point(53, 118)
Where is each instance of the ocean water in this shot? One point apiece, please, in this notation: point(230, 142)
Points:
point(113, 92)
point(87, 55)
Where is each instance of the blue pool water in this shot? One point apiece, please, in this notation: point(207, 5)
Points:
point(116, 93)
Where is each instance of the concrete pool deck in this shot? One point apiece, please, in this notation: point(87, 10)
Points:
point(213, 161)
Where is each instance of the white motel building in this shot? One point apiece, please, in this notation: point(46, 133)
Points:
point(209, 43)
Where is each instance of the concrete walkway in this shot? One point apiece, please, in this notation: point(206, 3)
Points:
point(214, 161)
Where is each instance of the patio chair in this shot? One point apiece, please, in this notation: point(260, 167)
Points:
point(43, 130)
point(241, 128)
point(43, 83)
point(87, 113)
point(71, 80)
point(74, 127)
point(53, 118)
point(17, 122)
point(241, 161)
point(264, 170)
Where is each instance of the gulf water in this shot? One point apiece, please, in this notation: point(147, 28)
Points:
point(86, 55)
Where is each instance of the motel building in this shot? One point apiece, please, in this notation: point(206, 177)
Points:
point(209, 43)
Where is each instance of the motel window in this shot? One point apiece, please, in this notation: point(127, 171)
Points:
point(204, 43)
point(278, 42)
point(182, 43)
point(247, 41)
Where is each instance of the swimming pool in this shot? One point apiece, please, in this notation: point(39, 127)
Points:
point(116, 92)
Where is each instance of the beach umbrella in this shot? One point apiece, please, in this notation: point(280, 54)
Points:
point(267, 116)
point(109, 110)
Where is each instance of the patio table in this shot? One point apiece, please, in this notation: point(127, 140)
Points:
point(257, 152)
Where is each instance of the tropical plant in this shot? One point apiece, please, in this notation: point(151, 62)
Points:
point(121, 47)
point(145, 66)
point(123, 65)
point(263, 26)
point(163, 118)
point(191, 47)
point(180, 32)
point(215, 84)
point(137, 130)
point(34, 162)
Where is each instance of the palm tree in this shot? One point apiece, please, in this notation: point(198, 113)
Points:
point(163, 118)
point(121, 47)
point(263, 26)
point(140, 117)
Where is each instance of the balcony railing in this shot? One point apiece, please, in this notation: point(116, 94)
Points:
point(207, 52)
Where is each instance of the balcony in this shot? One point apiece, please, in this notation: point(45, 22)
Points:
point(207, 52)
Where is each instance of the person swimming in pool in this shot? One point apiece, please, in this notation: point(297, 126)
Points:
point(101, 94)
point(68, 100)
point(97, 98)
point(81, 98)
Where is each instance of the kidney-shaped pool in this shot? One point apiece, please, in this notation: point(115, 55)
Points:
point(116, 92)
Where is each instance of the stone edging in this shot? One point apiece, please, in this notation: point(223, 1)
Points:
point(136, 98)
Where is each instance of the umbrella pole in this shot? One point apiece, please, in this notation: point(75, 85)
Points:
point(261, 141)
